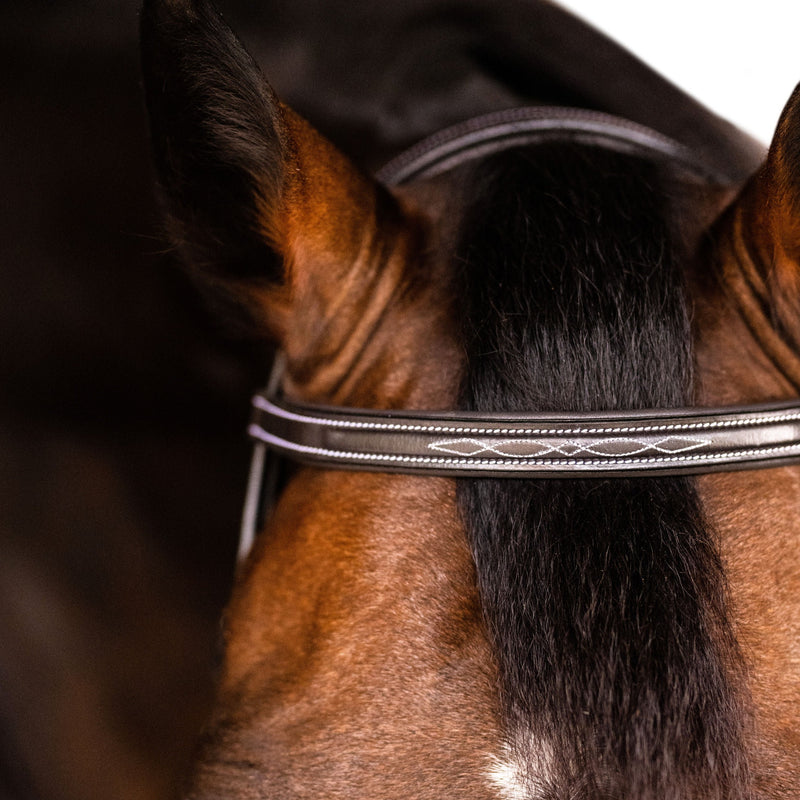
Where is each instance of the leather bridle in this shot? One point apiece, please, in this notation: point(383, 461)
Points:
point(536, 445)
point(530, 445)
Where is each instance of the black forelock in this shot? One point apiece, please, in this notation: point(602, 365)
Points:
point(603, 598)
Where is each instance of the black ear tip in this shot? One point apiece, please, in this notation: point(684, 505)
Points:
point(790, 116)
point(785, 148)
point(170, 14)
point(176, 36)
point(174, 8)
point(216, 135)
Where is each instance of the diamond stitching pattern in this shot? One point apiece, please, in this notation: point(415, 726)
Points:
point(608, 447)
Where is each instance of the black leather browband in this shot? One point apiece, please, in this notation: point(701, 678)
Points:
point(532, 445)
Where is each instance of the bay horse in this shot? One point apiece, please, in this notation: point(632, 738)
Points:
point(595, 301)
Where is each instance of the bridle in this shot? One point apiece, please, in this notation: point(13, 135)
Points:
point(529, 445)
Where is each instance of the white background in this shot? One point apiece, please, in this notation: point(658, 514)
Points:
point(741, 59)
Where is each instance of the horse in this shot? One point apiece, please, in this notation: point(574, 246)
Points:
point(538, 381)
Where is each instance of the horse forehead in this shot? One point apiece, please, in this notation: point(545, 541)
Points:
point(695, 204)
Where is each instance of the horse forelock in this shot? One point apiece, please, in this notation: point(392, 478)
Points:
point(604, 599)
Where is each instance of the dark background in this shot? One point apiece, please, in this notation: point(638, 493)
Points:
point(122, 411)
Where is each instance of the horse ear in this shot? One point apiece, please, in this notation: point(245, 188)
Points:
point(256, 199)
point(770, 205)
point(758, 247)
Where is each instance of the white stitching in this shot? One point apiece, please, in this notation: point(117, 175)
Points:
point(568, 448)
point(265, 405)
point(259, 433)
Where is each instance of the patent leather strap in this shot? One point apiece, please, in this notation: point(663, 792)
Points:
point(516, 127)
point(531, 445)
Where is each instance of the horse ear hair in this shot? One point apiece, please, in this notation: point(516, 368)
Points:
point(256, 198)
point(216, 135)
point(772, 205)
point(218, 140)
point(784, 153)
point(758, 243)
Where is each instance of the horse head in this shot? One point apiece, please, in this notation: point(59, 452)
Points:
point(590, 636)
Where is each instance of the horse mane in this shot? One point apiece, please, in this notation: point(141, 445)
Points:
point(604, 599)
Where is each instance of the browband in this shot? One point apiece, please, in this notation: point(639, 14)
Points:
point(538, 445)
